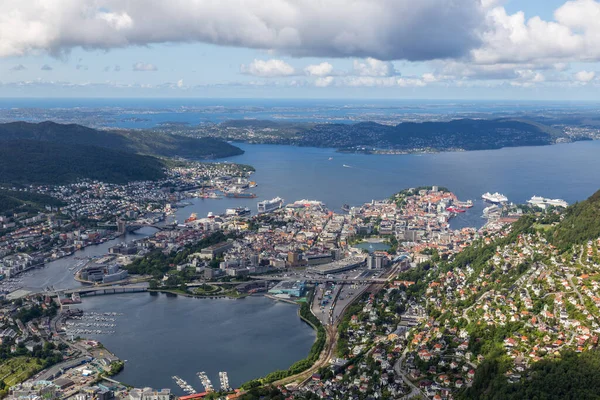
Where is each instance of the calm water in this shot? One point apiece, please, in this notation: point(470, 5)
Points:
point(57, 274)
point(567, 171)
point(162, 336)
point(371, 247)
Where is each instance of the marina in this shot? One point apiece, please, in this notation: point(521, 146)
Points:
point(186, 387)
point(208, 387)
point(224, 382)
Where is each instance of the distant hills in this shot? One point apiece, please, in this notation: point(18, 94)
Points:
point(465, 134)
point(144, 142)
point(38, 162)
point(51, 153)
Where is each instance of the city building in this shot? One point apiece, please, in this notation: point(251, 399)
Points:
point(290, 288)
point(338, 266)
point(215, 250)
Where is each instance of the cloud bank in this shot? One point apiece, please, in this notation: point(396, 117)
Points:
point(383, 29)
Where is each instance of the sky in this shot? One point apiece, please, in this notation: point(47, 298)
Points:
point(397, 49)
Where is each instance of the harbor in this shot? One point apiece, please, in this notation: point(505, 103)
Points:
point(141, 318)
point(186, 387)
point(224, 378)
point(208, 387)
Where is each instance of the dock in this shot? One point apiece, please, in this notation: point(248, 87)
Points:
point(224, 382)
point(186, 387)
point(205, 381)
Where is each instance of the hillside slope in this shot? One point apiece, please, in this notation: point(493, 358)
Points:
point(40, 162)
point(581, 223)
point(145, 142)
point(14, 201)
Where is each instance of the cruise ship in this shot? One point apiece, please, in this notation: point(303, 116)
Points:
point(270, 205)
point(543, 202)
point(238, 212)
point(240, 195)
point(494, 198)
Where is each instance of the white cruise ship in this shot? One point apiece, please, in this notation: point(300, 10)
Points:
point(543, 202)
point(269, 205)
point(494, 198)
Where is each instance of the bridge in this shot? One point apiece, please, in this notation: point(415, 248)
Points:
point(135, 227)
point(86, 291)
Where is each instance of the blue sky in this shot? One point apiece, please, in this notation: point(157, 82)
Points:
point(431, 49)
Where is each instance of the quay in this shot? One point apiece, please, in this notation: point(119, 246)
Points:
point(205, 381)
point(224, 382)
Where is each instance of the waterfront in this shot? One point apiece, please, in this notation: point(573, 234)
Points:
point(163, 335)
point(58, 274)
point(566, 171)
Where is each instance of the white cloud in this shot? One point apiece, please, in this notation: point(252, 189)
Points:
point(116, 21)
point(429, 78)
point(19, 67)
point(573, 35)
point(373, 67)
point(268, 69)
point(142, 67)
point(324, 81)
point(585, 76)
point(371, 81)
point(383, 29)
point(180, 83)
point(322, 69)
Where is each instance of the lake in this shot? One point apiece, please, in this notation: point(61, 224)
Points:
point(163, 335)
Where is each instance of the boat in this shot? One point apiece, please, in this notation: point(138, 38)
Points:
point(346, 166)
point(494, 198)
point(269, 205)
point(330, 158)
point(238, 211)
point(544, 202)
point(224, 379)
point(464, 204)
point(455, 210)
point(192, 218)
point(346, 208)
point(491, 210)
point(186, 387)
point(205, 381)
point(240, 195)
point(252, 184)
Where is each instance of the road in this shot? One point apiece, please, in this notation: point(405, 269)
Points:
point(415, 391)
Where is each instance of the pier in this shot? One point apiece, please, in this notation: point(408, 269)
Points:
point(208, 387)
point(186, 387)
point(224, 382)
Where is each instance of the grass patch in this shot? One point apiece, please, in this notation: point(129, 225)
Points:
point(542, 227)
point(206, 290)
point(18, 369)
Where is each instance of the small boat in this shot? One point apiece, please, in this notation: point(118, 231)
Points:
point(192, 218)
